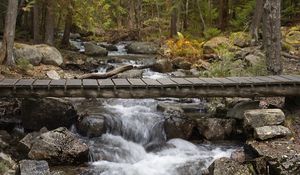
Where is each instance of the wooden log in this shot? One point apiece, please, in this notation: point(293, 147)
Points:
point(106, 75)
point(287, 55)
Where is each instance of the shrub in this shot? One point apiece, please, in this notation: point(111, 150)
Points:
point(23, 64)
point(211, 32)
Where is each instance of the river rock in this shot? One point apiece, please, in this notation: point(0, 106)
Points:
point(7, 165)
point(59, 146)
point(75, 36)
point(29, 52)
point(92, 126)
point(76, 46)
point(263, 117)
point(216, 128)
point(53, 75)
point(176, 124)
point(282, 157)
point(10, 110)
point(47, 112)
point(51, 56)
point(109, 47)
point(269, 132)
point(162, 66)
point(237, 112)
point(33, 167)
point(191, 168)
point(241, 39)
point(92, 49)
point(142, 48)
point(186, 107)
point(181, 63)
point(226, 166)
point(135, 73)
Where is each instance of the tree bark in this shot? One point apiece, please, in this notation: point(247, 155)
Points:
point(36, 23)
point(272, 35)
point(256, 20)
point(173, 26)
point(223, 14)
point(69, 20)
point(49, 24)
point(6, 51)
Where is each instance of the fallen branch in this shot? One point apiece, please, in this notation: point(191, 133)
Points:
point(287, 55)
point(107, 74)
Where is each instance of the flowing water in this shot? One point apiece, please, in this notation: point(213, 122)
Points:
point(135, 144)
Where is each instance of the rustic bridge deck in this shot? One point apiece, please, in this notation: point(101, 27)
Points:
point(285, 85)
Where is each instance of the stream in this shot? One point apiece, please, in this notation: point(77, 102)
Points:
point(135, 142)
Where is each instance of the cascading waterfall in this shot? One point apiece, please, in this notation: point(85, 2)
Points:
point(134, 126)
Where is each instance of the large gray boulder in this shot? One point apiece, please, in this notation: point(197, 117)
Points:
point(269, 132)
point(59, 146)
point(33, 167)
point(37, 54)
point(92, 49)
point(216, 128)
point(142, 48)
point(227, 166)
point(47, 112)
point(263, 117)
point(92, 126)
point(162, 65)
point(237, 112)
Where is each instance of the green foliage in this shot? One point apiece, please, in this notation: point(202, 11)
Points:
point(23, 64)
point(3, 167)
point(243, 15)
point(211, 32)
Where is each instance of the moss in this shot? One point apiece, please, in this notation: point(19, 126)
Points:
point(3, 167)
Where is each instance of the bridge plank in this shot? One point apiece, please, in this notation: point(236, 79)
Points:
point(41, 83)
point(225, 81)
point(89, 83)
point(106, 83)
point(280, 79)
point(121, 82)
point(167, 82)
point(8, 82)
point(74, 83)
point(196, 81)
point(25, 83)
point(151, 82)
point(294, 78)
point(268, 80)
point(240, 80)
point(254, 80)
point(211, 81)
point(58, 83)
point(137, 82)
point(182, 82)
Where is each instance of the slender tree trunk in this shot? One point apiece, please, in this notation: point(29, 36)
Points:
point(223, 14)
point(6, 51)
point(36, 23)
point(49, 24)
point(173, 26)
point(131, 14)
point(272, 35)
point(69, 20)
point(186, 14)
point(257, 18)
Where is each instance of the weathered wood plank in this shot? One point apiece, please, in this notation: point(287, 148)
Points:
point(121, 83)
point(254, 80)
point(24, 83)
point(90, 83)
point(196, 81)
point(281, 79)
point(240, 80)
point(106, 83)
point(225, 81)
point(268, 80)
point(211, 81)
point(137, 82)
point(58, 83)
point(167, 82)
point(8, 82)
point(74, 83)
point(151, 82)
point(41, 83)
point(295, 78)
point(182, 82)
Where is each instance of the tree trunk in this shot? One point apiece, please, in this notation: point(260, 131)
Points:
point(49, 24)
point(223, 14)
point(36, 23)
point(173, 26)
point(6, 51)
point(131, 14)
point(69, 20)
point(272, 35)
point(257, 18)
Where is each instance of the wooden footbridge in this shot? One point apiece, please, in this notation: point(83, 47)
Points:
point(264, 86)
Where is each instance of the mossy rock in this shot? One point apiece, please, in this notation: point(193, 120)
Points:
point(293, 38)
point(241, 39)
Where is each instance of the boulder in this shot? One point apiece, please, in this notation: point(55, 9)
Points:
point(181, 63)
point(76, 46)
point(51, 56)
point(269, 132)
point(211, 46)
point(241, 39)
point(162, 66)
point(53, 75)
point(75, 36)
point(92, 49)
point(142, 48)
point(26, 142)
point(191, 168)
point(92, 126)
point(135, 73)
point(224, 166)
point(282, 157)
point(186, 107)
point(10, 110)
point(216, 128)
point(47, 112)
point(263, 117)
point(29, 52)
point(109, 47)
point(59, 146)
point(33, 167)
point(176, 124)
point(7, 165)
point(37, 54)
point(237, 112)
